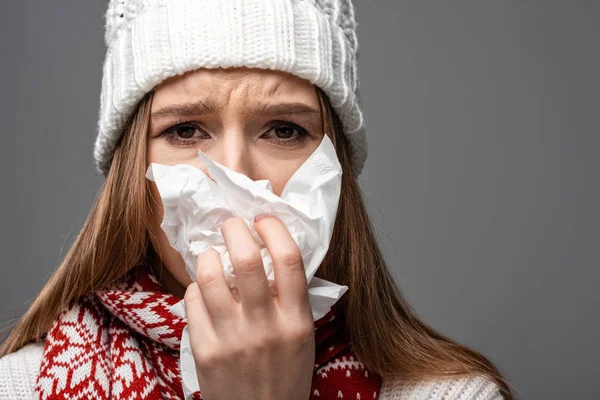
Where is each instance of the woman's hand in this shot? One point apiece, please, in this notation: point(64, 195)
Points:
point(262, 347)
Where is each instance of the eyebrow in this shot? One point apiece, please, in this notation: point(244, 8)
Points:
point(203, 107)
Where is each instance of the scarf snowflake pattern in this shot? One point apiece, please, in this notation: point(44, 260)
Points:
point(123, 343)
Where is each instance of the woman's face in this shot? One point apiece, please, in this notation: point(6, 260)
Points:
point(261, 123)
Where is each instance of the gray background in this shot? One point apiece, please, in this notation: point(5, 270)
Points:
point(482, 177)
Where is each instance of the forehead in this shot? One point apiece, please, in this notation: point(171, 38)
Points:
point(225, 85)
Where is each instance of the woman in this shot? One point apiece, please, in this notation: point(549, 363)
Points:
point(256, 85)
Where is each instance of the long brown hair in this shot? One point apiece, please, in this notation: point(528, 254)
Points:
point(386, 334)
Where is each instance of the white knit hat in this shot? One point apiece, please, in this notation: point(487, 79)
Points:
point(149, 41)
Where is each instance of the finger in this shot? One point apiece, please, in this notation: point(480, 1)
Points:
point(199, 321)
point(290, 276)
point(251, 280)
point(210, 279)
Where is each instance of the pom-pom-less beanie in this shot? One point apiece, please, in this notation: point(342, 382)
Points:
point(149, 41)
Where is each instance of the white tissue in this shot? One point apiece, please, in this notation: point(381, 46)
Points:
point(195, 207)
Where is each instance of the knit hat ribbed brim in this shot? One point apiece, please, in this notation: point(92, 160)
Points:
point(149, 41)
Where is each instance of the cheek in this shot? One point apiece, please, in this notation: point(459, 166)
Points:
point(154, 151)
point(279, 176)
point(160, 152)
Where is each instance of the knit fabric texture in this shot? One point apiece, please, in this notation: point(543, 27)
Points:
point(469, 388)
point(149, 41)
point(123, 343)
point(19, 371)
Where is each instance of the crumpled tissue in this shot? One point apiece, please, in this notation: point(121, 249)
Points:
point(195, 207)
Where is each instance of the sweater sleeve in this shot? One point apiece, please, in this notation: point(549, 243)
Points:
point(469, 388)
point(19, 371)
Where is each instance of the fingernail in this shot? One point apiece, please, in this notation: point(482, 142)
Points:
point(259, 217)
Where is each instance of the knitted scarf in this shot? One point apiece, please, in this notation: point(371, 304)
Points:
point(123, 343)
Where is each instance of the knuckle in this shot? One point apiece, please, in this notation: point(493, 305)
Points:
point(290, 258)
point(246, 263)
point(300, 333)
point(191, 293)
point(208, 359)
point(206, 276)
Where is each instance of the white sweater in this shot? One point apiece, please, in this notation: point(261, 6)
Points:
point(19, 370)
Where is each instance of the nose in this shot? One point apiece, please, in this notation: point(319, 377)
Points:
point(234, 151)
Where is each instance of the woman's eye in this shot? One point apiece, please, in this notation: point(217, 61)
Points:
point(287, 133)
point(183, 134)
point(284, 132)
point(185, 131)
point(281, 132)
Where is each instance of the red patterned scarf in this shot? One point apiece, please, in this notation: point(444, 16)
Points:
point(123, 343)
